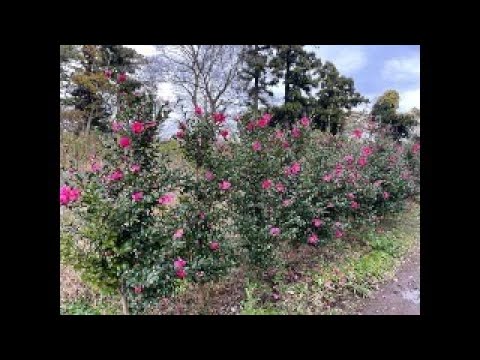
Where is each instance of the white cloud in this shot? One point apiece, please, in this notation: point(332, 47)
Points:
point(347, 58)
point(409, 99)
point(146, 50)
point(402, 68)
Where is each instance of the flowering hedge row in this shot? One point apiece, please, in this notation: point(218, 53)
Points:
point(142, 228)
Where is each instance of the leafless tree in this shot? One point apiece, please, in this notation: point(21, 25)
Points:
point(203, 75)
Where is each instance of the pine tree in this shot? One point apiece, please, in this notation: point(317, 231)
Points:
point(294, 66)
point(334, 100)
point(254, 73)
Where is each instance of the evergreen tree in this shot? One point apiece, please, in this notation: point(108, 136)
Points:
point(95, 82)
point(334, 100)
point(385, 111)
point(294, 66)
point(254, 73)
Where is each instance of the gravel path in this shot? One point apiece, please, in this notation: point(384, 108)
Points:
point(401, 296)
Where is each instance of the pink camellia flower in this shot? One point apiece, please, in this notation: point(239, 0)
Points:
point(285, 145)
point(224, 133)
point(279, 134)
point(357, 133)
point(275, 231)
point(182, 125)
point(135, 168)
point(108, 74)
point(378, 183)
point(317, 222)
point(280, 187)
point(96, 166)
point(256, 146)
point(264, 121)
point(219, 118)
point(180, 134)
point(137, 196)
point(250, 126)
point(225, 185)
point(178, 234)
point(137, 289)
point(214, 246)
point(362, 161)
point(367, 151)
point(305, 121)
point(124, 142)
point(65, 195)
point(351, 196)
point(338, 170)
point(266, 184)
point(287, 202)
point(122, 77)
point(209, 176)
point(198, 110)
point(354, 205)
point(416, 148)
point(166, 199)
point(116, 175)
point(181, 273)
point(296, 133)
point(137, 127)
point(338, 233)
point(348, 159)
point(201, 215)
point(312, 239)
point(386, 195)
point(179, 263)
point(328, 178)
point(295, 168)
point(116, 126)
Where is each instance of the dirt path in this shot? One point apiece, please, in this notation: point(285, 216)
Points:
point(401, 296)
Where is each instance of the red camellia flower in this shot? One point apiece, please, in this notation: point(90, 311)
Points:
point(312, 239)
point(180, 134)
point(137, 127)
point(181, 273)
point(285, 145)
point(214, 246)
point(295, 168)
point(362, 161)
point(108, 74)
point(138, 289)
point(264, 121)
point(179, 263)
point(357, 133)
point(198, 110)
point(305, 121)
point(225, 185)
point(250, 126)
point(68, 194)
point(280, 187)
point(354, 205)
point(416, 148)
point(166, 199)
point(137, 196)
point(266, 184)
point(219, 118)
point(338, 233)
point(209, 176)
point(256, 146)
point(182, 125)
point(296, 133)
point(224, 133)
point(135, 168)
point(124, 142)
point(122, 77)
point(275, 231)
point(367, 151)
point(116, 175)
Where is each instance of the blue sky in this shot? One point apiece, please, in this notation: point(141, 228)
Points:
point(374, 69)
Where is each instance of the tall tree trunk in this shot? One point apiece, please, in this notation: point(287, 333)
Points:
point(123, 298)
point(256, 89)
